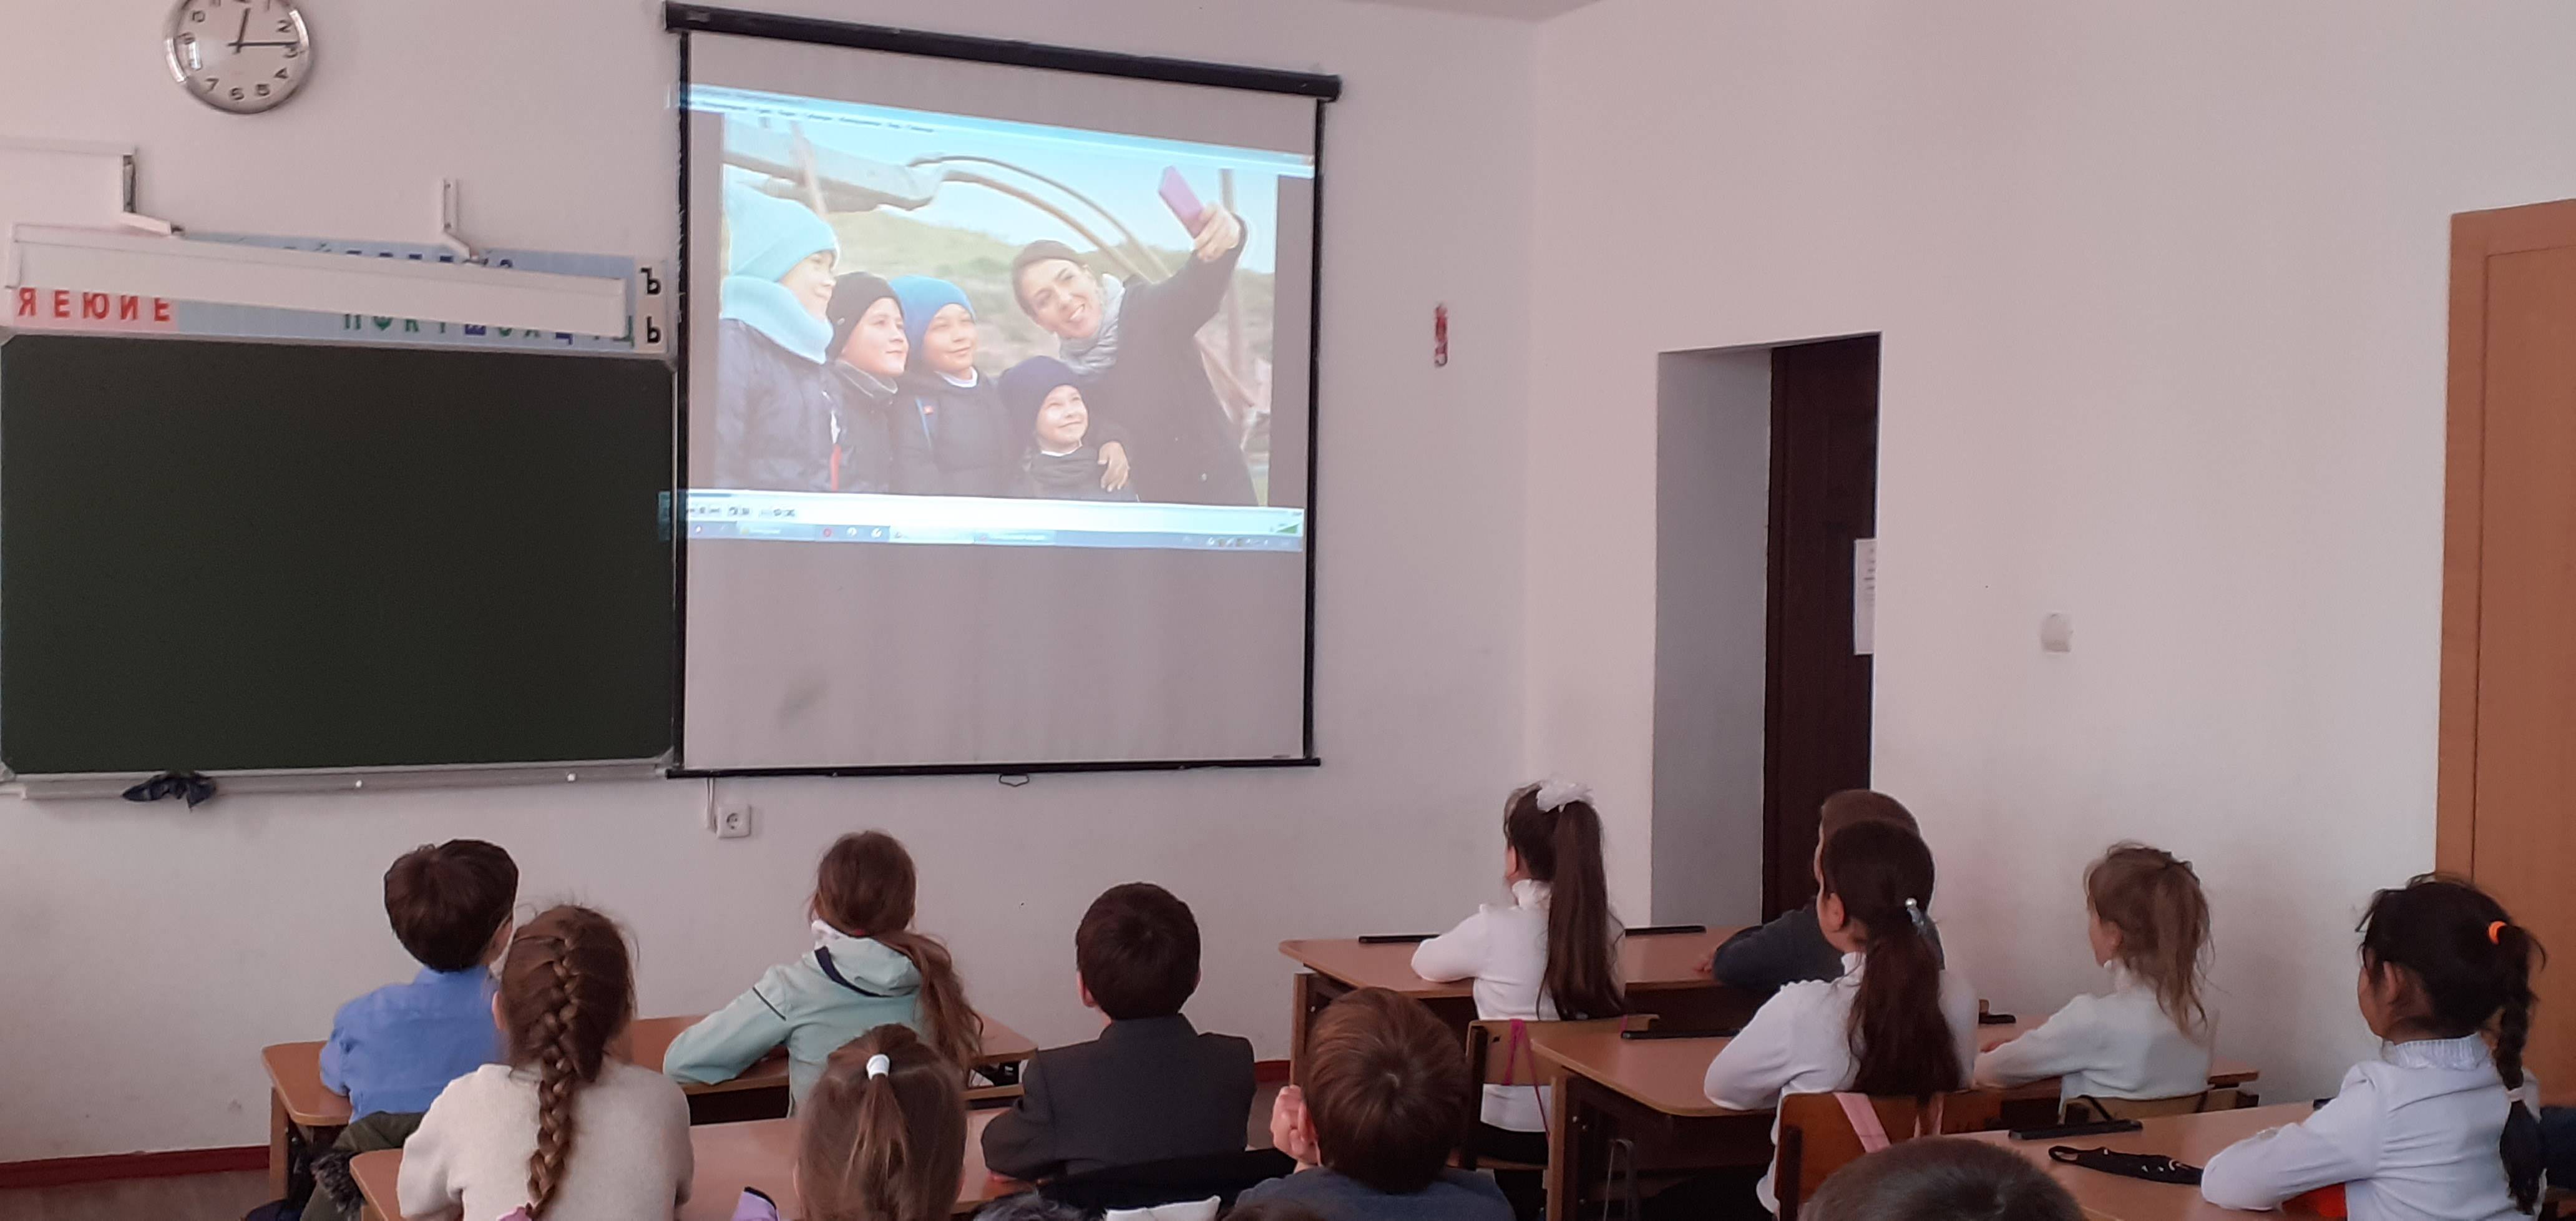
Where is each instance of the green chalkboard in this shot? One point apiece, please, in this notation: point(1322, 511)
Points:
point(225, 555)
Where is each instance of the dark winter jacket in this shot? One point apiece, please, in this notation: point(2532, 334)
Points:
point(952, 440)
point(773, 415)
point(1178, 435)
point(863, 453)
point(1073, 476)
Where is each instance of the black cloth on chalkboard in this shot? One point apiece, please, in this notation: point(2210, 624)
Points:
point(190, 785)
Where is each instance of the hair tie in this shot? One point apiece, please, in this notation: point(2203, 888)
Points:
point(1923, 929)
point(1554, 794)
point(879, 1065)
point(2495, 933)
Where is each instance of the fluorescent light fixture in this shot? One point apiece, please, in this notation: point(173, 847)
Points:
point(176, 269)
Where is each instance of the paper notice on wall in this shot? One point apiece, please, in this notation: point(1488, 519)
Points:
point(1864, 597)
point(68, 308)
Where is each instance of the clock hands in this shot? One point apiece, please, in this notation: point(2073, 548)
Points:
point(243, 33)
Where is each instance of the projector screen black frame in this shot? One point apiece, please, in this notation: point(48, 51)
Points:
point(687, 19)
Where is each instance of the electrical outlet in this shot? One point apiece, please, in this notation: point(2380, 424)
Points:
point(733, 822)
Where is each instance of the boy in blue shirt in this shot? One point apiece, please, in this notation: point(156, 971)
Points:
point(393, 1050)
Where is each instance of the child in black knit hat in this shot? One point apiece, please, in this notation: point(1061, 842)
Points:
point(1064, 460)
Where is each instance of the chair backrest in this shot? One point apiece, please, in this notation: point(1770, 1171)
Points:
point(1499, 1053)
point(1817, 1136)
point(1173, 1181)
point(2089, 1109)
point(1499, 1057)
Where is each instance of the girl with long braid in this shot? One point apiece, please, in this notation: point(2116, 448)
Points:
point(566, 1130)
point(2440, 1125)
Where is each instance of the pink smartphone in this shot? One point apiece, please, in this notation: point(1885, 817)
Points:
point(1183, 202)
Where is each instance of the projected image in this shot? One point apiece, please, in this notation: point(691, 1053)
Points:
point(937, 328)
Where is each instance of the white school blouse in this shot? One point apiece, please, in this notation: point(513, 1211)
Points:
point(2120, 1044)
point(1504, 949)
point(2411, 1136)
point(1799, 1042)
point(631, 1159)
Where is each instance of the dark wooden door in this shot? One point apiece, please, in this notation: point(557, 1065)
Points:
point(1824, 497)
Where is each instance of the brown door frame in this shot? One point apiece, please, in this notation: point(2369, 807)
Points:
point(2475, 238)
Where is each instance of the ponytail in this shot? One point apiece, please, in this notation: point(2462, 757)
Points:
point(567, 989)
point(865, 887)
point(951, 1025)
point(2155, 902)
point(1560, 845)
point(1899, 1038)
point(883, 1132)
point(2467, 969)
point(2520, 1147)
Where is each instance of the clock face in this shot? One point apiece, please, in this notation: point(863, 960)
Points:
point(243, 56)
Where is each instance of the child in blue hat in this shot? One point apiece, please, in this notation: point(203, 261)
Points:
point(953, 437)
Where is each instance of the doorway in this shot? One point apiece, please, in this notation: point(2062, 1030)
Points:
point(2507, 787)
point(1766, 485)
point(1824, 503)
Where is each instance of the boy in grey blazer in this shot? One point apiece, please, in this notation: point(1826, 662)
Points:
point(1151, 1087)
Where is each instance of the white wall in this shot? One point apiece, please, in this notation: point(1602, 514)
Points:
point(2163, 289)
point(1712, 628)
point(149, 952)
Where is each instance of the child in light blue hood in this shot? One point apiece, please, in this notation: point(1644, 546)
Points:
point(867, 968)
point(778, 276)
point(774, 409)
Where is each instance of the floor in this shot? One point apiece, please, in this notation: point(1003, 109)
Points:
point(225, 1197)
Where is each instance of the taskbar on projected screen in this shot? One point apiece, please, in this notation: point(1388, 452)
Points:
point(866, 517)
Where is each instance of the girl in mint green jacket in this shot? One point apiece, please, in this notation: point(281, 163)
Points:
point(867, 968)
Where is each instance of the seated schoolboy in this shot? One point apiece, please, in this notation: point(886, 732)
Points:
point(1386, 1097)
point(1942, 1178)
point(1151, 1087)
point(1070, 455)
point(392, 1050)
point(1791, 948)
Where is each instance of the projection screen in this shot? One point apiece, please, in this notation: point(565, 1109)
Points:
point(999, 363)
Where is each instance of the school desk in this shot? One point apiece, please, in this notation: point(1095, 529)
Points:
point(1649, 1092)
point(300, 1105)
point(1661, 970)
point(1645, 1092)
point(2184, 1138)
point(730, 1157)
point(2036, 1103)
